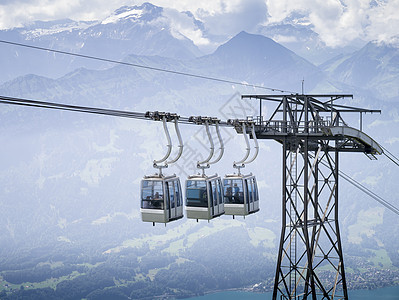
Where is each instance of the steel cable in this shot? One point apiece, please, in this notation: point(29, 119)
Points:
point(146, 67)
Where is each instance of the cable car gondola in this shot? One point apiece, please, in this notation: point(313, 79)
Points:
point(240, 191)
point(204, 194)
point(204, 197)
point(161, 199)
point(161, 196)
point(241, 196)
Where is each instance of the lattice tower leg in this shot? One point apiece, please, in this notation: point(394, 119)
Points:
point(310, 260)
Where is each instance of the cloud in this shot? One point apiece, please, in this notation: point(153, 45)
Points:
point(184, 24)
point(20, 12)
point(220, 17)
point(233, 16)
point(338, 22)
point(384, 22)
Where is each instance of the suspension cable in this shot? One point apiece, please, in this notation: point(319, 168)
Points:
point(91, 110)
point(145, 67)
point(369, 192)
point(390, 156)
point(142, 116)
point(364, 189)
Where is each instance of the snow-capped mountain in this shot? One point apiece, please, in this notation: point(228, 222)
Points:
point(142, 30)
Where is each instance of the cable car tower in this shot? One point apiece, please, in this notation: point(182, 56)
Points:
point(312, 132)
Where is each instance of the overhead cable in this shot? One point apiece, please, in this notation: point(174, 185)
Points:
point(189, 120)
point(86, 109)
point(370, 193)
point(146, 67)
point(361, 187)
point(390, 156)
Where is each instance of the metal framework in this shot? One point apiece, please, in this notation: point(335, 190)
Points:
point(312, 133)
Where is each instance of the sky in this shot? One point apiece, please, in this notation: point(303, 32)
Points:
point(338, 22)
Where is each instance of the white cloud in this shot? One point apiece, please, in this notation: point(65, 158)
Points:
point(20, 12)
point(384, 22)
point(372, 180)
point(17, 13)
point(183, 24)
point(233, 16)
point(341, 21)
point(392, 140)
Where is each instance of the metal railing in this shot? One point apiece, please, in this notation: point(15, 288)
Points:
point(280, 126)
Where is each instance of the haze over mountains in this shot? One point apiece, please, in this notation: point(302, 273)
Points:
point(70, 182)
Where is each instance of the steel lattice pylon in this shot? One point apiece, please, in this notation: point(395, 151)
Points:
point(310, 248)
point(312, 132)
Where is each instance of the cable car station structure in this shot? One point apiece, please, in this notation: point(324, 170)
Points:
point(312, 132)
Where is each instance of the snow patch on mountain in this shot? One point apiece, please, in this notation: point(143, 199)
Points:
point(68, 26)
point(133, 14)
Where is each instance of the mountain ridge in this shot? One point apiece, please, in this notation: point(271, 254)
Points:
point(113, 40)
point(375, 65)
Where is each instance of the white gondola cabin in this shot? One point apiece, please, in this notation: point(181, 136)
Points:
point(204, 197)
point(241, 196)
point(161, 199)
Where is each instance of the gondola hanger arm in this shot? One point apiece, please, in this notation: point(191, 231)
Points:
point(212, 148)
point(221, 152)
point(239, 164)
point(256, 145)
point(169, 145)
point(180, 146)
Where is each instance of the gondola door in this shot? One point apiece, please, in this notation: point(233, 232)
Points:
point(211, 207)
point(250, 198)
point(256, 195)
point(214, 202)
point(172, 199)
point(178, 198)
point(220, 196)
